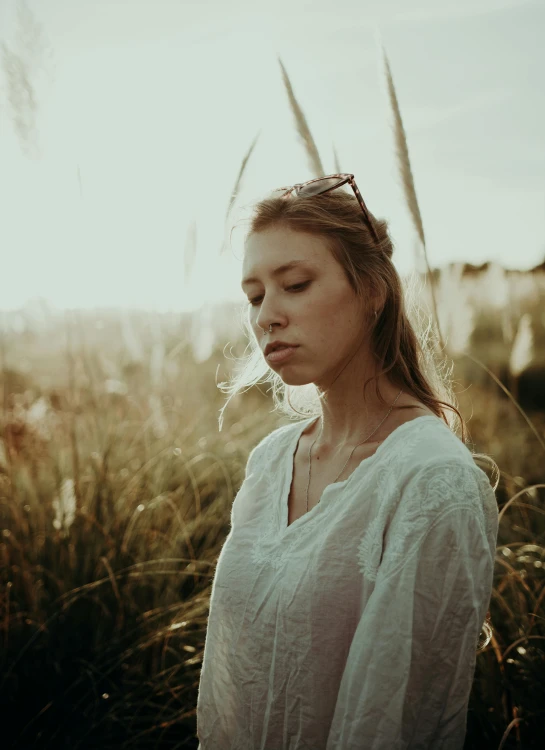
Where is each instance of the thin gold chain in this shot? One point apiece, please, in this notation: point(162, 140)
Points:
point(354, 448)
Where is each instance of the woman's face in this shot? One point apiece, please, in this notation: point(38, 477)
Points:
point(310, 305)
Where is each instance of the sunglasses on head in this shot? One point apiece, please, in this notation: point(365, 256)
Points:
point(324, 185)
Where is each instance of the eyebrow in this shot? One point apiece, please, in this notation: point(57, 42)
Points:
point(277, 271)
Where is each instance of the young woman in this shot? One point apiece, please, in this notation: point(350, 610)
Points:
point(350, 593)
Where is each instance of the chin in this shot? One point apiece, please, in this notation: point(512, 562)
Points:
point(293, 378)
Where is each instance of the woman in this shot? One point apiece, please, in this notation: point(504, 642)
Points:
point(350, 593)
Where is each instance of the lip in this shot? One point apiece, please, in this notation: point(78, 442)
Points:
point(280, 355)
point(277, 343)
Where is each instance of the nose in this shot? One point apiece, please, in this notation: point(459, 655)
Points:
point(264, 319)
point(263, 329)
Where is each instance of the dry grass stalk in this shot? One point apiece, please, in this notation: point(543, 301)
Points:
point(240, 175)
point(337, 167)
point(6, 458)
point(303, 129)
point(238, 183)
point(72, 392)
point(404, 164)
point(455, 308)
point(522, 351)
point(509, 395)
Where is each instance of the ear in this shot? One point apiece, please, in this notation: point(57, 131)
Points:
point(374, 301)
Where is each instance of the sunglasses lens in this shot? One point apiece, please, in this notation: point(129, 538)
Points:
point(314, 188)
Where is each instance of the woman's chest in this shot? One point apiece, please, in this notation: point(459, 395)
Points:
point(307, 487)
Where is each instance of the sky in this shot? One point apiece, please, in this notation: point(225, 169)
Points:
point(145, 110)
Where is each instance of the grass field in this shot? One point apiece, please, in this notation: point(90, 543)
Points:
point(115, 493)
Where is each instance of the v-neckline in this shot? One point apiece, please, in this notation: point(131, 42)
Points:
point(284, 497)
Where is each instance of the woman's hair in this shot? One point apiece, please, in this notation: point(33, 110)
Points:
point(402, 340)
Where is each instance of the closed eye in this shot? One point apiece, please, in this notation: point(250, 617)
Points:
point(296, 288)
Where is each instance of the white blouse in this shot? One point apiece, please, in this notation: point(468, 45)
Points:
point(357, 626)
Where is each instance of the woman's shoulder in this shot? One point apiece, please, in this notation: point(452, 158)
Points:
point(426, 446)
point(427, 428)
point(276, 439)
point(437, 464)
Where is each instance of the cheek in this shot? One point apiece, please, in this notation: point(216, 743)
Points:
point(336, 307)
point(342, 317)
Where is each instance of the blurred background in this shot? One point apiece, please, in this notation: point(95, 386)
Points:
point(134, 138)
point(123, 126)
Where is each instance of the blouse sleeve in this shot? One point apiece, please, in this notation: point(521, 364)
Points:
point(252, 474)
point(411, 664)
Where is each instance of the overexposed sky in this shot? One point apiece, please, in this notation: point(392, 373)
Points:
point(146, 108)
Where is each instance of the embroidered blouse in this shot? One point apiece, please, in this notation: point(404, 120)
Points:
point(356, 626)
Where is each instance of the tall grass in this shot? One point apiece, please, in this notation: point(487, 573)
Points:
point(104, 593)
point(104, 597)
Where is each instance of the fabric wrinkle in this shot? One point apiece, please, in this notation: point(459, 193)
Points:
point(357, 625)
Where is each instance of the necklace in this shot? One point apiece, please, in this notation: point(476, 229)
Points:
point(353, 449)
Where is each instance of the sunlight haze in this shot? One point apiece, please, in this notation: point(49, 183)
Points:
point(145, 111)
